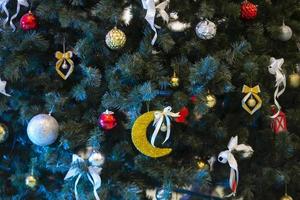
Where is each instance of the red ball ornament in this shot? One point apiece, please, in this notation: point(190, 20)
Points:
point(28, 21)
point(107, 120)
point(248, 10)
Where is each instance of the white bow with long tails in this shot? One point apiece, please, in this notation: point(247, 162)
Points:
point(275, 68)
point(149, 5)
point(3, 8)
point(159, 119)
point(92, 174)
point(227, 156)
point(20, 3)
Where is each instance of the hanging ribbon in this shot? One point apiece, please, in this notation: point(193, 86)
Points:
point(227, 157)
point(20, 3)
point(275, 68)
point(149, 5)
point(2, 88)
point(159, 118)
point(251, 91)
point(92, 174)
point(3, 7)
point(64, 57)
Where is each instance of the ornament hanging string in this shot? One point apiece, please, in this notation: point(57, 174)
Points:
point(159, 118)
point(20, 3)
point(92, 174)
point(275, 68)
point(227, 157)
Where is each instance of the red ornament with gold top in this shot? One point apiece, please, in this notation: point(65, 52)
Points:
point(107, 120)
point(28, 21)
point(248, 10)
point(278, 123)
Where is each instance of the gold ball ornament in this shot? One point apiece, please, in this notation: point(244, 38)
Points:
point(286, 197)
point(251, 102)
point(3, 133)
point(201, 165)
point(115, 39)
point(294, 80)
point(163, 127)
point(31, 181)
point(211, 100)
point(174, 82)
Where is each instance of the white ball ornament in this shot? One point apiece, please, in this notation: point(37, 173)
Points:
point(96, 159)
point(286, 33)
point(42, 129)
point(206, 30)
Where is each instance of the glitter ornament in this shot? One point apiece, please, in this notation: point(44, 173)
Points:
point(42, 129)
point(201, 164)
point(163, 194)
point(286, 33)
point(31, 181)
point(96, 159)
point(286, 197)
point(174, 82)
point(115, 39)
point(248, 10)
point(107, 120)
point(294, 80)
point(28, 22)
point(206, 30)
point(3, 133)
point(211, 100)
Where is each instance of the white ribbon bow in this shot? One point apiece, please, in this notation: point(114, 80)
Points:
point(227, 156)
point(92, 174)
point(275, 69)
point(149, 5)
point(158, 120)
point(20, 3)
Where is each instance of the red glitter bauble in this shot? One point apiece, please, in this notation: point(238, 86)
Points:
point(248, 10)
point(28, 22)
point(107, 120)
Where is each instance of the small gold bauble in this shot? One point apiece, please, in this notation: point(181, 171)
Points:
point(3, 133)
point(174, 82)
point(30, 181)
point(294, 80)
point(286, 197)
point(251, 102)
point(115, 39)
point(201, 165)
point(163, 127)
point(211, 100)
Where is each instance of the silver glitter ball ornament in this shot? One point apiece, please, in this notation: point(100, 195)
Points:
point(96, 159)
point(42, 129)
point(206, 30)
point(286, 33)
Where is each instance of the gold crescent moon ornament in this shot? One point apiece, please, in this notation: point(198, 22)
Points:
point(139, 137)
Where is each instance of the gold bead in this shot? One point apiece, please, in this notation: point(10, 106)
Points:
point(3, 133)
point(201, 165)
point(251, 102)
point(163, 127)
point(115, 39)
point(174, 82)
point(30, 181)
point(211, 100)
point(294, 80)
point(286, 197)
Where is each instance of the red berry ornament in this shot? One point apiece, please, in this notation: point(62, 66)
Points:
point(28, 22)
point(248, 10)
point(107, 120)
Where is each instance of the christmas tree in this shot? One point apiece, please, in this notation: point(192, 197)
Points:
point(144, 99)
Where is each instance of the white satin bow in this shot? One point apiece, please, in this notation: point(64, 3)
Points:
point(92, 174)
point(149, 5)
point(158, 120)
point(227, 156)
point(3, 7)
point(275, 68)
